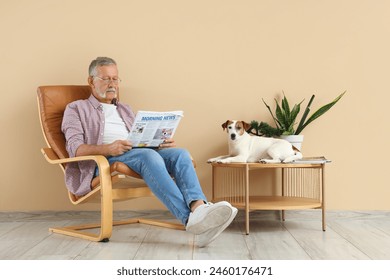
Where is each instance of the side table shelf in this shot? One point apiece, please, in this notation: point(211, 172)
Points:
point(302, 187)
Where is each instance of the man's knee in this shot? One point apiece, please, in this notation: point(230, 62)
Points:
point(182, 156)
point(182, 152)
point(179, 154)
point(149, 155)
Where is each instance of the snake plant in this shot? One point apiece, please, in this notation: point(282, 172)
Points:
point(285, 117)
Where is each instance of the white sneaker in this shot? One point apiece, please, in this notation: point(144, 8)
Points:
point(209, 216)
point(207, 237)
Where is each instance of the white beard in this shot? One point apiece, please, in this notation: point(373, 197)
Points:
point(104, 94)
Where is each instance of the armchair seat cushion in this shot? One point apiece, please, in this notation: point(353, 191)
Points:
point(115, 168)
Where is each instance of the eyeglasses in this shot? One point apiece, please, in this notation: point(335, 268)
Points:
point(108, 81)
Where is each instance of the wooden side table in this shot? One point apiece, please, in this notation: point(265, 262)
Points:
point(302, 187)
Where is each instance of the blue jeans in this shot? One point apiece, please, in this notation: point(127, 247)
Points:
point(157, 167)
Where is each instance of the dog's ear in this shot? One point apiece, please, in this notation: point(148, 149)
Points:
point(247, 126)
point(225, 124)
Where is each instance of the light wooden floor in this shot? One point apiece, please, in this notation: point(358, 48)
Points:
point(349, 236)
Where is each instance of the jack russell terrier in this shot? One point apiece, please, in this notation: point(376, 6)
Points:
point(247, 148)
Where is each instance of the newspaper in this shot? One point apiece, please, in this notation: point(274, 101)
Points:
point(150, 129)
point(313, 160)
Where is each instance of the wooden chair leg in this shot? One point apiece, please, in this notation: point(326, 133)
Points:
point(106, 222)
point(78, 230)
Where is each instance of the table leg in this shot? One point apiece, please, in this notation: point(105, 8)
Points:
point(246, 177)
point(323, 198)
point(283, 185)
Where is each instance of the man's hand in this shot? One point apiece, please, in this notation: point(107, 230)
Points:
point(119, 147)
point(168, 143)
point(116, 148)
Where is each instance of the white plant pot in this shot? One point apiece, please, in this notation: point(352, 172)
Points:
point(295, 140)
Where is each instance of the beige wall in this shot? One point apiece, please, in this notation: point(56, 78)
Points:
point(215, 60)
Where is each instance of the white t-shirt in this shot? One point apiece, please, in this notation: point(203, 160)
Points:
point(114, 126)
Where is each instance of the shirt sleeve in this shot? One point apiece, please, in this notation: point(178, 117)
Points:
point(72, 129)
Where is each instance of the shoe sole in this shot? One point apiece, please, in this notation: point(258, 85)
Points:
point(208, 223)
point(220, 230)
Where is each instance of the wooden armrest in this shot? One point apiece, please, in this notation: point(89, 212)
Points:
point(52, 158)
point(101, 161)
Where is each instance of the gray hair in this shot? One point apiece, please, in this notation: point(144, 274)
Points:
point(99, 61)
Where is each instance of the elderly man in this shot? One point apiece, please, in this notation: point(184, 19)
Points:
point(100, 125)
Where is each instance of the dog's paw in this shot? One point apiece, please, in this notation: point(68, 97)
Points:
point(210, 160)
point(223, 161)
point(266, 160)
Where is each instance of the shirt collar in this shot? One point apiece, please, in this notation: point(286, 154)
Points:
point(95, 103)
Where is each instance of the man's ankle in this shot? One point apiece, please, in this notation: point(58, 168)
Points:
point(195, 204)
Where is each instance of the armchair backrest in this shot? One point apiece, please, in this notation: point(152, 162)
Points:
point(52, 101)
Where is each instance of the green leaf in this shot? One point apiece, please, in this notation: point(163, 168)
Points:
point(255, 126)
point(307, 110)
point(286, 107)
point(266, 130)
point(294, 113)
point(269, 109)
point(288, 133)
point(320, 112)
point(280, 116)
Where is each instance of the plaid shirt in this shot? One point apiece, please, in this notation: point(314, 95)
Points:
point(83, 123)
